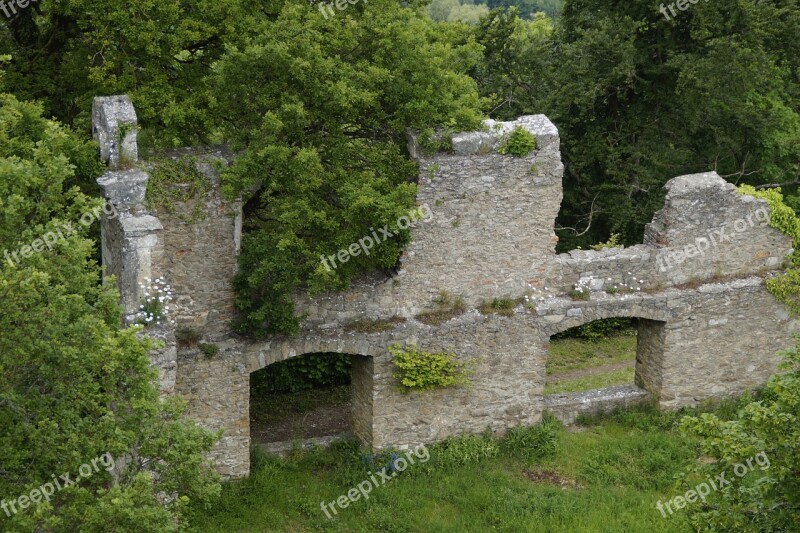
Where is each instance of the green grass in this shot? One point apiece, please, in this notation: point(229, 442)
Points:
point(613, 474)
point(597, 381)
point(275, 407)
point(577, 354)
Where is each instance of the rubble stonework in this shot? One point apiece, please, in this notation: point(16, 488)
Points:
point(708, 326)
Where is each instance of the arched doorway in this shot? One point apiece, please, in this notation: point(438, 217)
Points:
point(309, 399)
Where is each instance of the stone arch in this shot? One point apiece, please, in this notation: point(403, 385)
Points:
point(654, 309)
point(362, 352)
point(653, 317)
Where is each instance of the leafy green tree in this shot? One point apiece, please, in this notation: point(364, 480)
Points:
point(529, 8)
point(768, 498)
point(640, 99)
point(65, 52)
point(75, 387)
point(468, 13)
point(319, 106)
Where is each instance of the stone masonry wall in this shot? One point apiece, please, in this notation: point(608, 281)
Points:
point(709, 327)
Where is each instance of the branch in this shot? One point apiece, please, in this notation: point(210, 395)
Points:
point(589, 225)
point(774, 185)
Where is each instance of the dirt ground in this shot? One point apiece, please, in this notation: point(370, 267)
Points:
point(289, 416)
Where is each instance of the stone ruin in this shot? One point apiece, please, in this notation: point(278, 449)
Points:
point(707, 325)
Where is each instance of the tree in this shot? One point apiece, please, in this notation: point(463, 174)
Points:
point(767, 434)
point(65, 52)
point(639, 99)
point(319, 107)
point(74, 387)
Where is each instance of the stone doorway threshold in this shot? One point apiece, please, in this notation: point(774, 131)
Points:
point(284, 448)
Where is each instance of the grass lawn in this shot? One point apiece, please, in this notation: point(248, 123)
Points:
point(577, 364)
point(606, 477)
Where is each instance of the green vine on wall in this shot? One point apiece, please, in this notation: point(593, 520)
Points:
point(177, 180)
point(420, 370)
point(785, 287)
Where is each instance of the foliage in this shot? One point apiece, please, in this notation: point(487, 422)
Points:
point(498, 306)
point(320, 108)
point(770, 427)
point(66, 52)
point(374, 325)
point(580, 293)
point(533, 442)
point(177, 180)
point(156, 305)
point(786, 286)
point(639, 100)
point(455, 11)
point(73, 385)
point(420, 370)
point(302, 373)
point(210, 350)
point(462, 450)
point(599, 329)
point(519, 143)
point(612, 242)
point(444, 308)
point(529, 8)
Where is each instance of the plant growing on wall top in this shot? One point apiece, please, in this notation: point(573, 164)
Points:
point(417, 369)
point(519, 143)
point(177, 180)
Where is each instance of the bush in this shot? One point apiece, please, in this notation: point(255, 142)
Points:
point(303, 373)
point(785, 287)
point(768, 426)
point(519, 143)
point(421, 370)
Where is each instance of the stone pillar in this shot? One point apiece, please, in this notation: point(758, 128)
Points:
point(362, 403)
point(650, 356)
point(129, 235)
point(114, 128)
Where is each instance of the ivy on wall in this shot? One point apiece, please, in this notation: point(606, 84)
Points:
point(417, 369)
point(785, 287)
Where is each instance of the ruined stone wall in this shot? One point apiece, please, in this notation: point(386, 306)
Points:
point(709, 327)
point(199, 249)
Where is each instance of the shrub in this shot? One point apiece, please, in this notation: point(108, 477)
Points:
point(177, 180)
point(785, 287)
point(210, 350)
point(769, 427)
point(519, 143)
point(420, 370)
point(580, 293)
